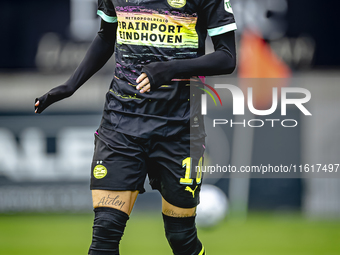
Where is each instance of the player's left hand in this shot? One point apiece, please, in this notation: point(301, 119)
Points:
point(143, 83)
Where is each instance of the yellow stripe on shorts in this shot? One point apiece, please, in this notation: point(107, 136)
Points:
point(202, 251)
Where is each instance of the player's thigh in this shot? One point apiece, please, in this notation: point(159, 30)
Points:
point(118, 170)
point(174, 211)
point(120, 200)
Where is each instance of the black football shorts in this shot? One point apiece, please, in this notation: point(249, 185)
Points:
point(121, 162)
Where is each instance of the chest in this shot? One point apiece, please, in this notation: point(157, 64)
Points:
point(157, 23)
point(165, 7)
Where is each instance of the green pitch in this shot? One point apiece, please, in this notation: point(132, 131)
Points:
point(261, 234)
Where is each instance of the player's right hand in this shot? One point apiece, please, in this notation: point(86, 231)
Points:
point(41, 103)
point(36, 105)
point(54, 95)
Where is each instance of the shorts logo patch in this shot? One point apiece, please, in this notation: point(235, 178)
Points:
point(227, 6)
point(177, 3)
point(187, 188)
point(99, 172)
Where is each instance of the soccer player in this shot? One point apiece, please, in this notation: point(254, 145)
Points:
point(145, 129)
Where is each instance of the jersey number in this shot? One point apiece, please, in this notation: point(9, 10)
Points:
point(187, 163)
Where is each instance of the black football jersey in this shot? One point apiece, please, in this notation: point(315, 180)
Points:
point(157, 30)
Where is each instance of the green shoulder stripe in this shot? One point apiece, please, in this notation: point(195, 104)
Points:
point(106, 18)
point(222, 30)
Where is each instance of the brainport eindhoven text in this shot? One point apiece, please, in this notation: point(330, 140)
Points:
point(287, 95)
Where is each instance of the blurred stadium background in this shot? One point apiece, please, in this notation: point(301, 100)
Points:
point(45, 202)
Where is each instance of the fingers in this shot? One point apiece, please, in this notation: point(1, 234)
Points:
point(145, 89)
point(141, 77)
point(36, 106)
point(144, 83)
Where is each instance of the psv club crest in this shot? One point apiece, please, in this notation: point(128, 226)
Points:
point(99, 172)
point(177, 3)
